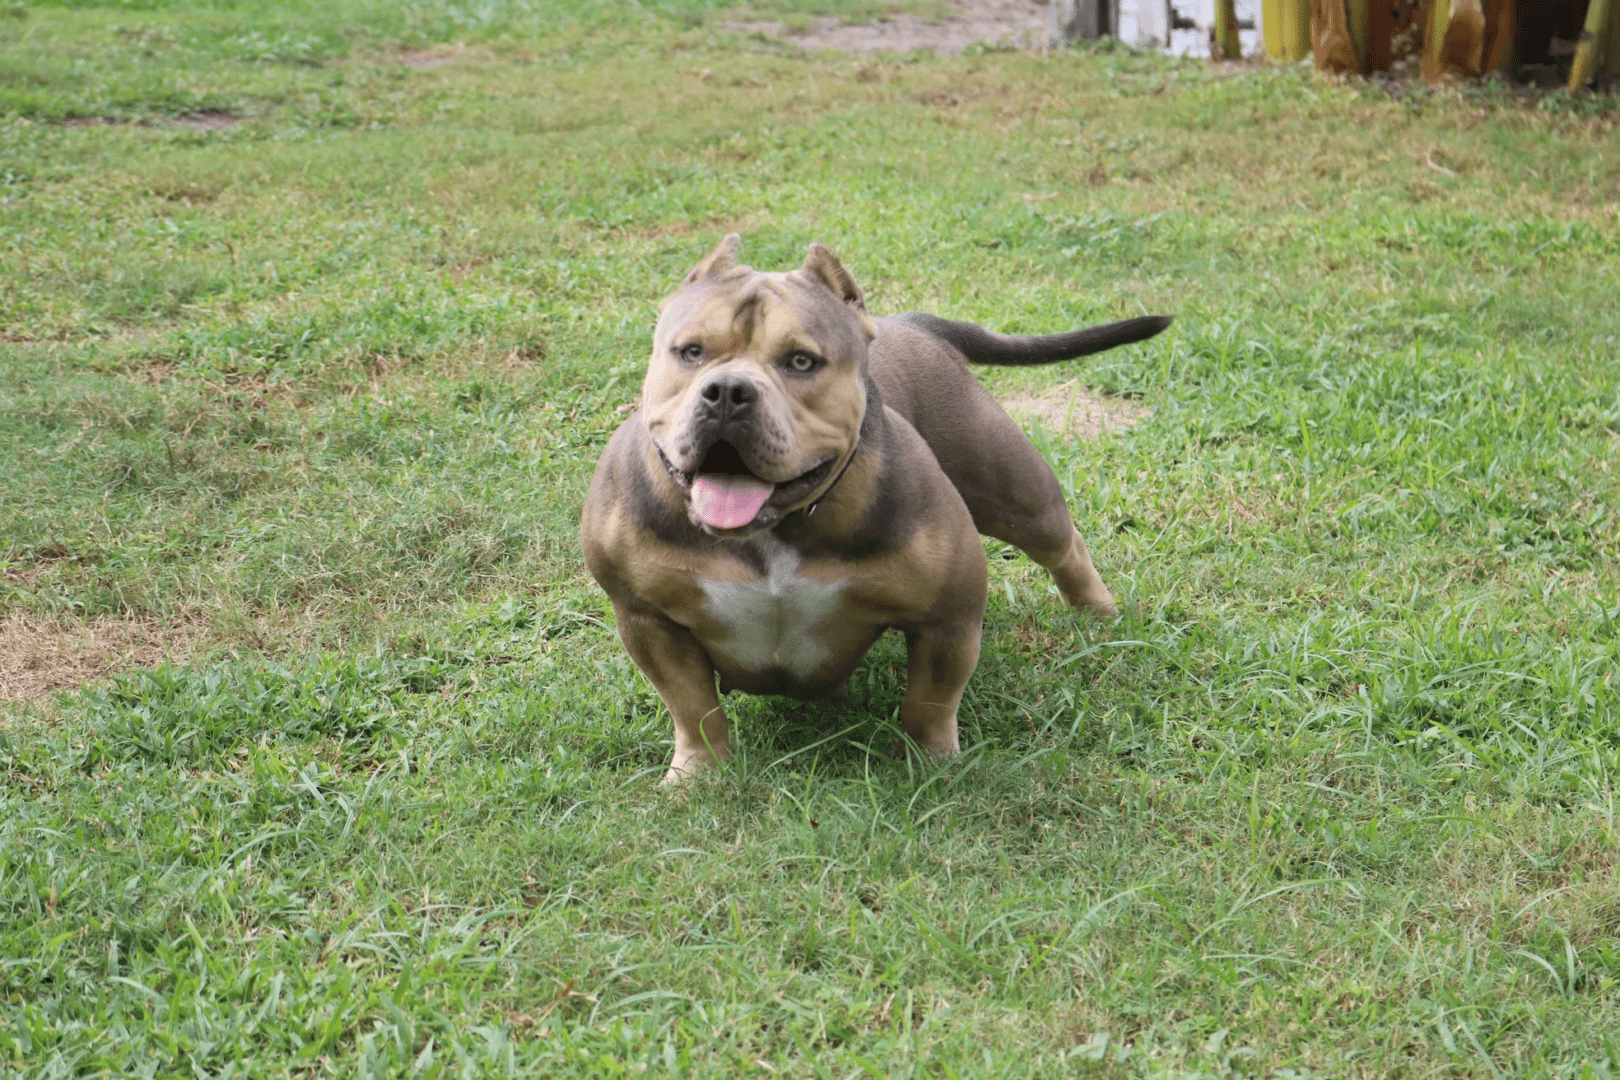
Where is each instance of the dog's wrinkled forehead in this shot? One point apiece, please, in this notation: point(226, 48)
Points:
point(819, 303)
point(744, 309)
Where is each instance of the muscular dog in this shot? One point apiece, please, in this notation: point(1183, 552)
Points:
point(801, 477)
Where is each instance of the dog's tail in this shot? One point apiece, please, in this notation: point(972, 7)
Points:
point(981, 346)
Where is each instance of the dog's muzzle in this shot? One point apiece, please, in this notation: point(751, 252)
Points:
point(724, 496)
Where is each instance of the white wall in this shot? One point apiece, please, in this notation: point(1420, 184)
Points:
point(1191, 42)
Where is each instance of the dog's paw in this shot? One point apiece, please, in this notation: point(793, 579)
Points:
point(1092, 597)
point(687, 765)
point(1103, 607)
point(918, 754)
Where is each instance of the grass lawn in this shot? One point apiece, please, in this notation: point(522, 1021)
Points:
point(313, 321)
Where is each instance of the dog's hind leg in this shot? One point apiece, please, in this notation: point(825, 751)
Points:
point(1009, 488)
point(1046, 534)
point(1077, 579)
point(1014, 496)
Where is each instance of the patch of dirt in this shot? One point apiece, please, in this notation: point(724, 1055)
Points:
point(676, 230)
point(1018, 24)
point(428, 59)
point(1072, 410)
point(191, 194)
point(154, 371)
point(39, 656)
point(204, 120)
point(208, 120)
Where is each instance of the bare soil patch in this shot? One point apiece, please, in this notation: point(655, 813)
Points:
point(428, 59)
point(204, 120)
point(39, 656)
point(675, 230)
point(1019, 24)
point(208, 120)
point(1071, 410)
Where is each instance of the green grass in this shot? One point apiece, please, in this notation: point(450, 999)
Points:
point(1335, 797)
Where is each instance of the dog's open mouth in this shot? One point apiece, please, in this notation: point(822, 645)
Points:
point(726, 495)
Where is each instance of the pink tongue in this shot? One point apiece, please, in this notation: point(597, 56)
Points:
point(723, 501)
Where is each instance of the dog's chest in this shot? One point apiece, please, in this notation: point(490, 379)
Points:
point(769, 623)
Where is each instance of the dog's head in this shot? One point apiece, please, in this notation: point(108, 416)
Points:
point(756, 388)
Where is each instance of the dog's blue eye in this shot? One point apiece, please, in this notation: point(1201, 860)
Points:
point(691, 353)
point(801, 362)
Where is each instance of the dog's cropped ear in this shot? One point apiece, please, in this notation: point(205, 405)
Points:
point(821, 263)
point(721, 259)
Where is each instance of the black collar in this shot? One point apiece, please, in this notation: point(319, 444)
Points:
point(811, 508)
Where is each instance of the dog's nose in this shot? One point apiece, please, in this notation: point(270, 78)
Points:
point(729, 397)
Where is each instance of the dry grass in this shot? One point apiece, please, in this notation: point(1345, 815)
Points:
point(428, 59)
point(39, 656)
point(1072, 411)
point(945, 28)
point(208, 120)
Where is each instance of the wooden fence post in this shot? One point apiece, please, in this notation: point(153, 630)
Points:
point(1224, 43)
point(1286, 29)
point(1590, 50)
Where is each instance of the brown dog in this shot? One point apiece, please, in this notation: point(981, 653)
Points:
point(800, 478)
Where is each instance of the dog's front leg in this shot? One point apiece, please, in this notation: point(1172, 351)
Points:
point(939, 660)
point(680, 671)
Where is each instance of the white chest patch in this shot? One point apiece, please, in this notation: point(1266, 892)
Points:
point(769, 619)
